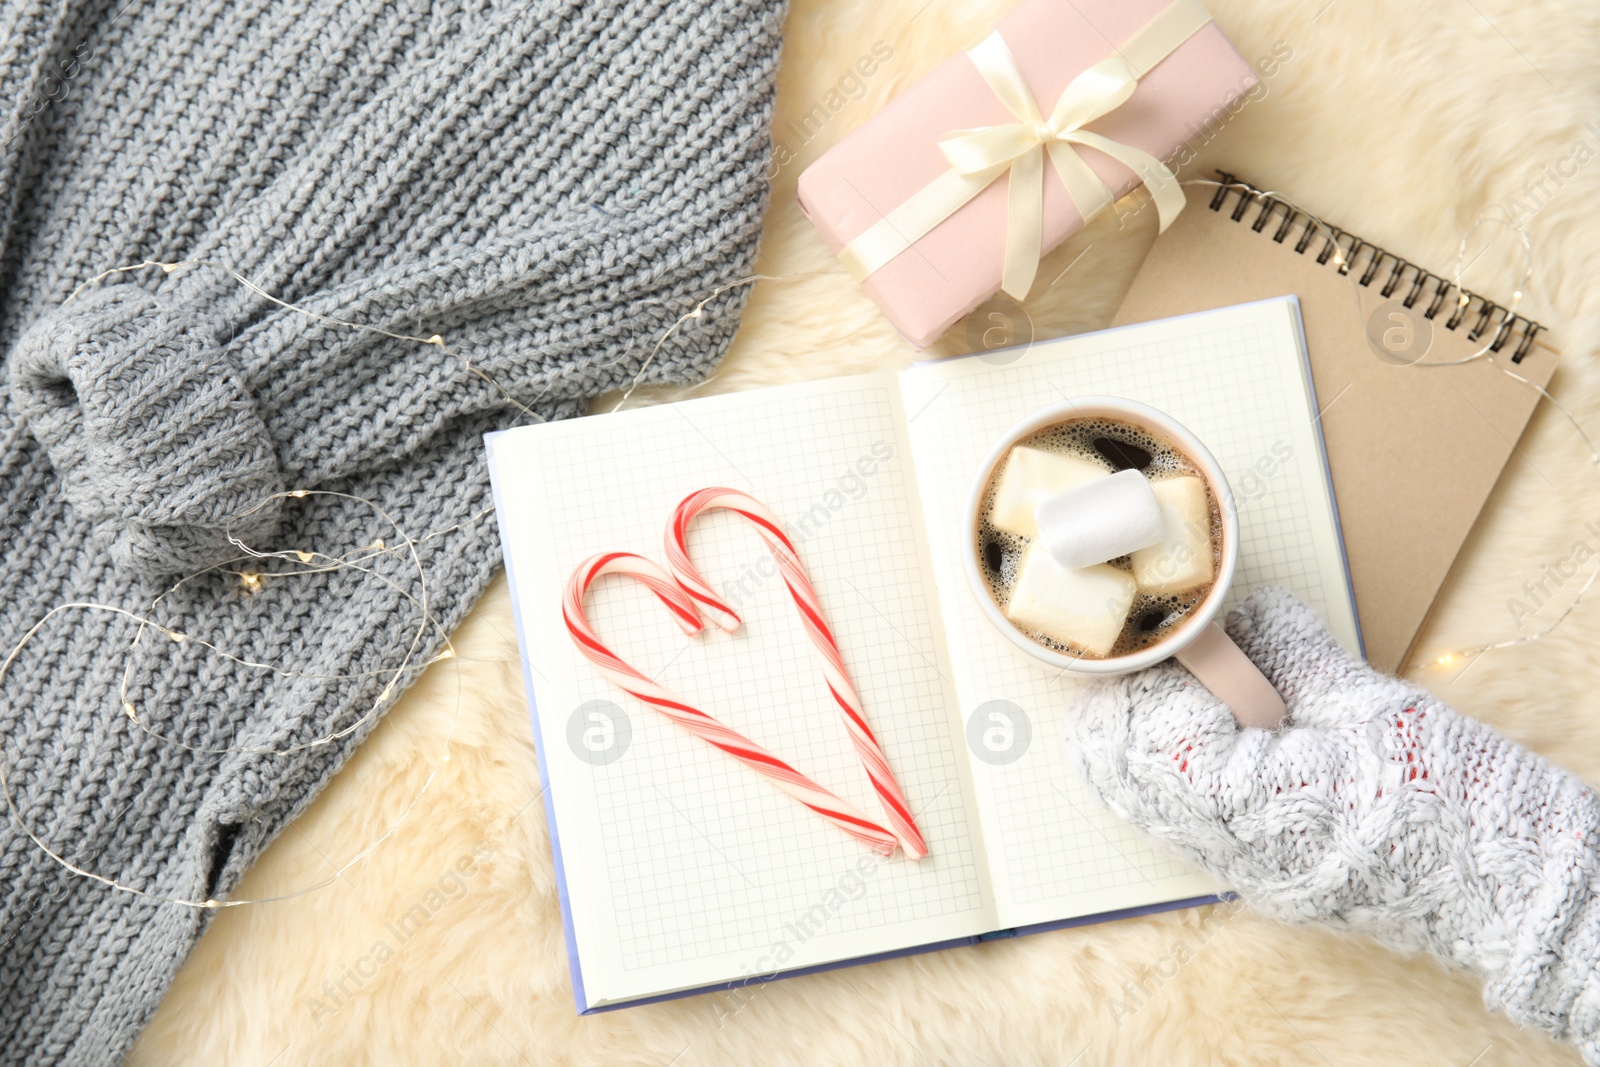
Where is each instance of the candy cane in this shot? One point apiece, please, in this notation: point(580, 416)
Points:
point(896, 809)
point(697, 722)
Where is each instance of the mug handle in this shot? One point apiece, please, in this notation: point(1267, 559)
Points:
point(1216, 661)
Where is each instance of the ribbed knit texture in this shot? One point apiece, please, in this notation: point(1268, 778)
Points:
point(1376, 809)
point(547, 186)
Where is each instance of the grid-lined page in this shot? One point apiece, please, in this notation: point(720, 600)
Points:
point(1238, 379)
point(683, 866)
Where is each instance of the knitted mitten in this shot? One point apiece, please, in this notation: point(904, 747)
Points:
point(1374, 808)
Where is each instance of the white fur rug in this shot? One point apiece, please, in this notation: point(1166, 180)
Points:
point(1399, 121)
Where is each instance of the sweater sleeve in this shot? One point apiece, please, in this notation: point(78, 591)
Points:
point(536, 202)
point(1374, 809)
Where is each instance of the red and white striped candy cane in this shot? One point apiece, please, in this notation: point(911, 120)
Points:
point(895, 808)
point(694, 720)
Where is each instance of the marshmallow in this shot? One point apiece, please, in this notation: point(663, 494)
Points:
point(1181, 560)
point(1031, 476)
point(1100, 520)
point(1082, 609)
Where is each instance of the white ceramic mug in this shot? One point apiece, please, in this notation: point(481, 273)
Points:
point(1199, 643)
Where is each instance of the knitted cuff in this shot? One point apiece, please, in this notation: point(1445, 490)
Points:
point(1579, 975)
point(1551, 974)
point(156, 441)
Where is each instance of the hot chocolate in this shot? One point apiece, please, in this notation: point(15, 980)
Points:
point(1119, 606)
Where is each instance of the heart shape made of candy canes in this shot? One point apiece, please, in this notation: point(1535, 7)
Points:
point(684, 591)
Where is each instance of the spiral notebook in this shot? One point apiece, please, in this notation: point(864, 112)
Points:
point(1414, 450)
point(680, 869)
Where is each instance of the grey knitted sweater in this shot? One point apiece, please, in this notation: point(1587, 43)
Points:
point(547, 185)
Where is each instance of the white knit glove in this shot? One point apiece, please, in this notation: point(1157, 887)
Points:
point(1374, 808)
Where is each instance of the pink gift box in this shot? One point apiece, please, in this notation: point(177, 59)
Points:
point(957, 266)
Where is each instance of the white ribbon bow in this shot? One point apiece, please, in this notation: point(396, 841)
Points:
point(1021, 146)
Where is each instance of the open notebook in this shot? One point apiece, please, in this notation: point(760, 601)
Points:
point(681, 869)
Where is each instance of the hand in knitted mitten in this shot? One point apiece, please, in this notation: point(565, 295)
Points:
point(1374, 808)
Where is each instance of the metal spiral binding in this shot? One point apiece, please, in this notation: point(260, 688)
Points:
point(1485, 312)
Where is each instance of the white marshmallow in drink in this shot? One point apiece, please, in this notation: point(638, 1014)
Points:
point(1182, 559)
point(1100, 520)
point(1083, 608)
point(1031, 476)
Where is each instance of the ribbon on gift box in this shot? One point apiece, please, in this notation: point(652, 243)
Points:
point(980, 157)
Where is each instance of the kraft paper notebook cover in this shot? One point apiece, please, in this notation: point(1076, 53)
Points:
point(682, 870)
point(1414, 451)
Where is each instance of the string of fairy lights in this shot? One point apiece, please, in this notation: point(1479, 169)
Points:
point(1522, 282)
point(254, 568)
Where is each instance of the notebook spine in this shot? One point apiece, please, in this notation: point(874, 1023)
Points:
point(1378, 266)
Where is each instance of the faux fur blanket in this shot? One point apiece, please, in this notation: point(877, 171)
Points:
point(1400, 121)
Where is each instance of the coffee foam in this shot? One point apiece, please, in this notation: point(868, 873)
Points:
point(1000, 553)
